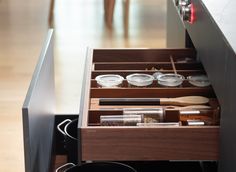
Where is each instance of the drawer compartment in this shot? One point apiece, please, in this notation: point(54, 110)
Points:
point(138, 143)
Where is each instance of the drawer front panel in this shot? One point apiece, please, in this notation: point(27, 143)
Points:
point(150, 143)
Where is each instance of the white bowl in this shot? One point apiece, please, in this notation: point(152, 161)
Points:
point(109, 80)
point(140, 79)
point(170, 80)
point(199, 80)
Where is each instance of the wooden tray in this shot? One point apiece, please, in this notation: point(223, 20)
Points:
point(143, 143)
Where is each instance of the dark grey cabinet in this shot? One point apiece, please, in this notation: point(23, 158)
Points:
point(213, 37)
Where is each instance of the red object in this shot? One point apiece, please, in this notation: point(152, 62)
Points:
point(192, 17)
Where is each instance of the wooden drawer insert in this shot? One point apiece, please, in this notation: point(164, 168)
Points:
point(143, 143)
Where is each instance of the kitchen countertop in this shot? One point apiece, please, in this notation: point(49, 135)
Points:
point(223, 12)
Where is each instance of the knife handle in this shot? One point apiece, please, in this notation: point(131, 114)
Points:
point(129, 101)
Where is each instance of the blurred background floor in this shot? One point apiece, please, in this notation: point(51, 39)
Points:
point(78, 24)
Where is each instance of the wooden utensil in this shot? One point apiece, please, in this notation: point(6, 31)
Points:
point(188, 107)
point(179, 101)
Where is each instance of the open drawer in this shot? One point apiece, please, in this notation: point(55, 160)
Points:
point(138, 143)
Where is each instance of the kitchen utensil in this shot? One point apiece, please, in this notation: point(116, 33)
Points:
point(180, 101)
point(196, 107)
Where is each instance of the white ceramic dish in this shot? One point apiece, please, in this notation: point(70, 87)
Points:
point(140, 80)
point(170, 80)
point(109, 80)
point(199, 80)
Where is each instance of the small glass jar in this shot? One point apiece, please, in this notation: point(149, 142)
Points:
point(120, 120)
point(130, 119)
point(156, 75)
point(109, 81)
point(160, 124)
point(139, 80)
point(195, 123)
point(149, 115)
point(199, 80)
point(170, 80)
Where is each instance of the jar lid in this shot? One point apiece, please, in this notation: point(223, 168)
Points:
point(139, 79)
point(170, 79)
point(109, 80)
point(156, 75)
point(199, 80)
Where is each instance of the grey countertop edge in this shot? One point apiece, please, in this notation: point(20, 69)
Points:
point(223, 13)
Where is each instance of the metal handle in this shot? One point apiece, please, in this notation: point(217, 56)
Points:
point(59, 125)
point(64, 166)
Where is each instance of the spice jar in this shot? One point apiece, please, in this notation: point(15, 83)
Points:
point(160, 124)
point(150, 115)
point(120, 120)
point(209, 117)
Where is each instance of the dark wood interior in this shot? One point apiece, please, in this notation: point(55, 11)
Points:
point(145, 143)
point(124, 73)
point(141, 55)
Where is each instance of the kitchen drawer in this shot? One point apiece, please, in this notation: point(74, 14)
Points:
point(135, 143)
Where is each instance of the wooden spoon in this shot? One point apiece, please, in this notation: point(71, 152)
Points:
point(179, 101)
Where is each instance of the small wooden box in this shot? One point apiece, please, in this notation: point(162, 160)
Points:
point(134, 143)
